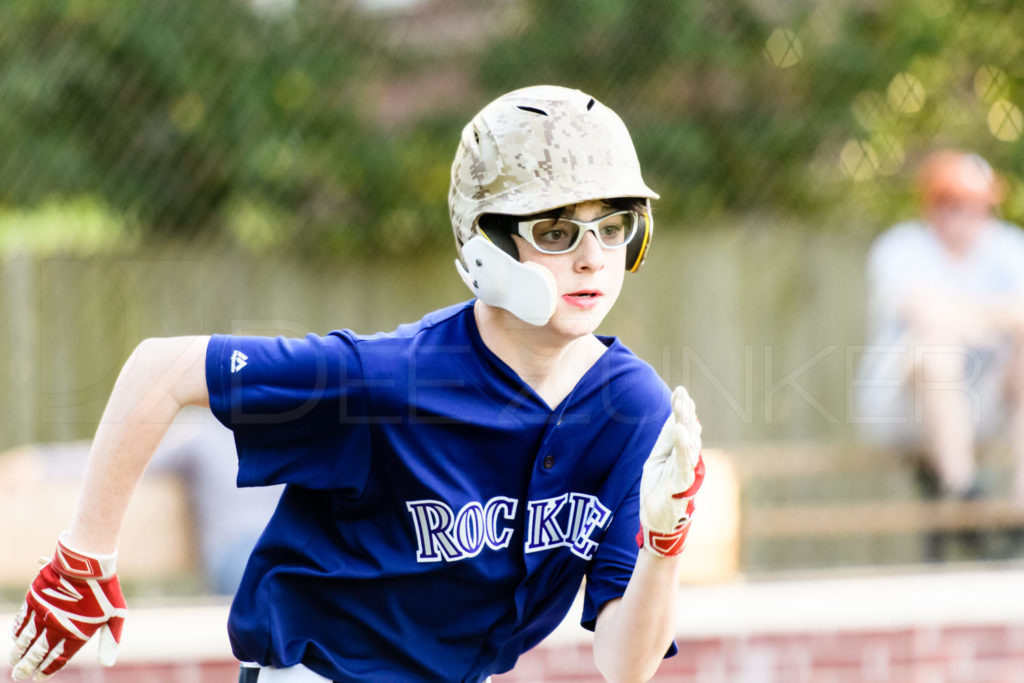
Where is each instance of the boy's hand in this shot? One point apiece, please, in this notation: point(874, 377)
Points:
point(672, 475)
point(74, 595)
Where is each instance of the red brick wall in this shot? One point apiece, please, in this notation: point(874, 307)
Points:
point(970, 654)
point(138, 672)
point(975, 654)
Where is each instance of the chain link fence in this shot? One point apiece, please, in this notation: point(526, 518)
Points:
point(281, 166)
point(315, 137)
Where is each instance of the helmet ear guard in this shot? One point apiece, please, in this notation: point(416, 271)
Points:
point(527, 290)
point(636, 250)
point(498, 228)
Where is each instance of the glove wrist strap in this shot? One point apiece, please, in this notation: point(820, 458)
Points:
point(664, 544)
point(77, 564)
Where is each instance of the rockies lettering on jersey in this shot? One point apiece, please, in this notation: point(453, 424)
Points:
point(443, 535)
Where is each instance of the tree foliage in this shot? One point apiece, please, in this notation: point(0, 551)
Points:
point(812, 111)
point(323, 127)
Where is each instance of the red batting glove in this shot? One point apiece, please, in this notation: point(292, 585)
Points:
point(73, 596)
point(672, 475)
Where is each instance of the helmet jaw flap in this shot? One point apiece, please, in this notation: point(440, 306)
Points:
point(533, 150)
point(527, 290)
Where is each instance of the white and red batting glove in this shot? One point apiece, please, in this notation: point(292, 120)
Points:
point(672, 475)
point(74, 595)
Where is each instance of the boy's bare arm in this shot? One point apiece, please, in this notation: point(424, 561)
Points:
point(633, 633)
point(77, 594)
point(159, 379)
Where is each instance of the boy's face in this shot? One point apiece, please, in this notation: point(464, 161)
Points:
point(589, 278)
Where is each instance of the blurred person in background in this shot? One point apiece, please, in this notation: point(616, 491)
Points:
point(228, 519)
point(944, 369)
point(200, 452)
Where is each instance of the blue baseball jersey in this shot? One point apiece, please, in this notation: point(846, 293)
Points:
point(439, 516)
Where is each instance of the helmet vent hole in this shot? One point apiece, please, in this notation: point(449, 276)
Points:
point(590, 104)
point(534, 110)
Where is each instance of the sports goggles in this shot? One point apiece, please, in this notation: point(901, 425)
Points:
point(562, 235)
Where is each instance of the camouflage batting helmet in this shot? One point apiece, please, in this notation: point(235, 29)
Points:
point(541, 148)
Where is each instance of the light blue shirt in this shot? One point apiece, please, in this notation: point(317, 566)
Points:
point(907, 258)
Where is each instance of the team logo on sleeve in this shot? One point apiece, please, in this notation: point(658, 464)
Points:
point(238, 361)
point(444, 535)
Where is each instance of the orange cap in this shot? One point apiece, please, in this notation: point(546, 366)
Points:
point(958, 176)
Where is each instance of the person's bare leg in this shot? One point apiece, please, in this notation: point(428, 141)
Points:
point(1015, 401)
point(944, 404)
point(1014, 396)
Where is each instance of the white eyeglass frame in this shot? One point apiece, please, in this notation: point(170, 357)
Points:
point(525, 230)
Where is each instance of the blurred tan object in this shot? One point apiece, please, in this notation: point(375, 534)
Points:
point(156, 543)
point(952, 175)
point(713, 546)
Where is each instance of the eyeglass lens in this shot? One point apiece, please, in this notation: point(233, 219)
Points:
point(557, 235)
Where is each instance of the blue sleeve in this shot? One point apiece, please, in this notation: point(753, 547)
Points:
point(297, 408)
point(612, 565)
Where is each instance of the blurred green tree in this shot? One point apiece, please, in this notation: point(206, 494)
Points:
point(196, 117)
point(322, 127)
point(809, 111)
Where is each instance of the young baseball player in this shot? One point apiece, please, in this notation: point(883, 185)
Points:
point(449, 484)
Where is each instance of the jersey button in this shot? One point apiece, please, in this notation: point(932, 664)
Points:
point(549, 462)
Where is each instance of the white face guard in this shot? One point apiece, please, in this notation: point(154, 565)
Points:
point(531, 151)
point(526, 290)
